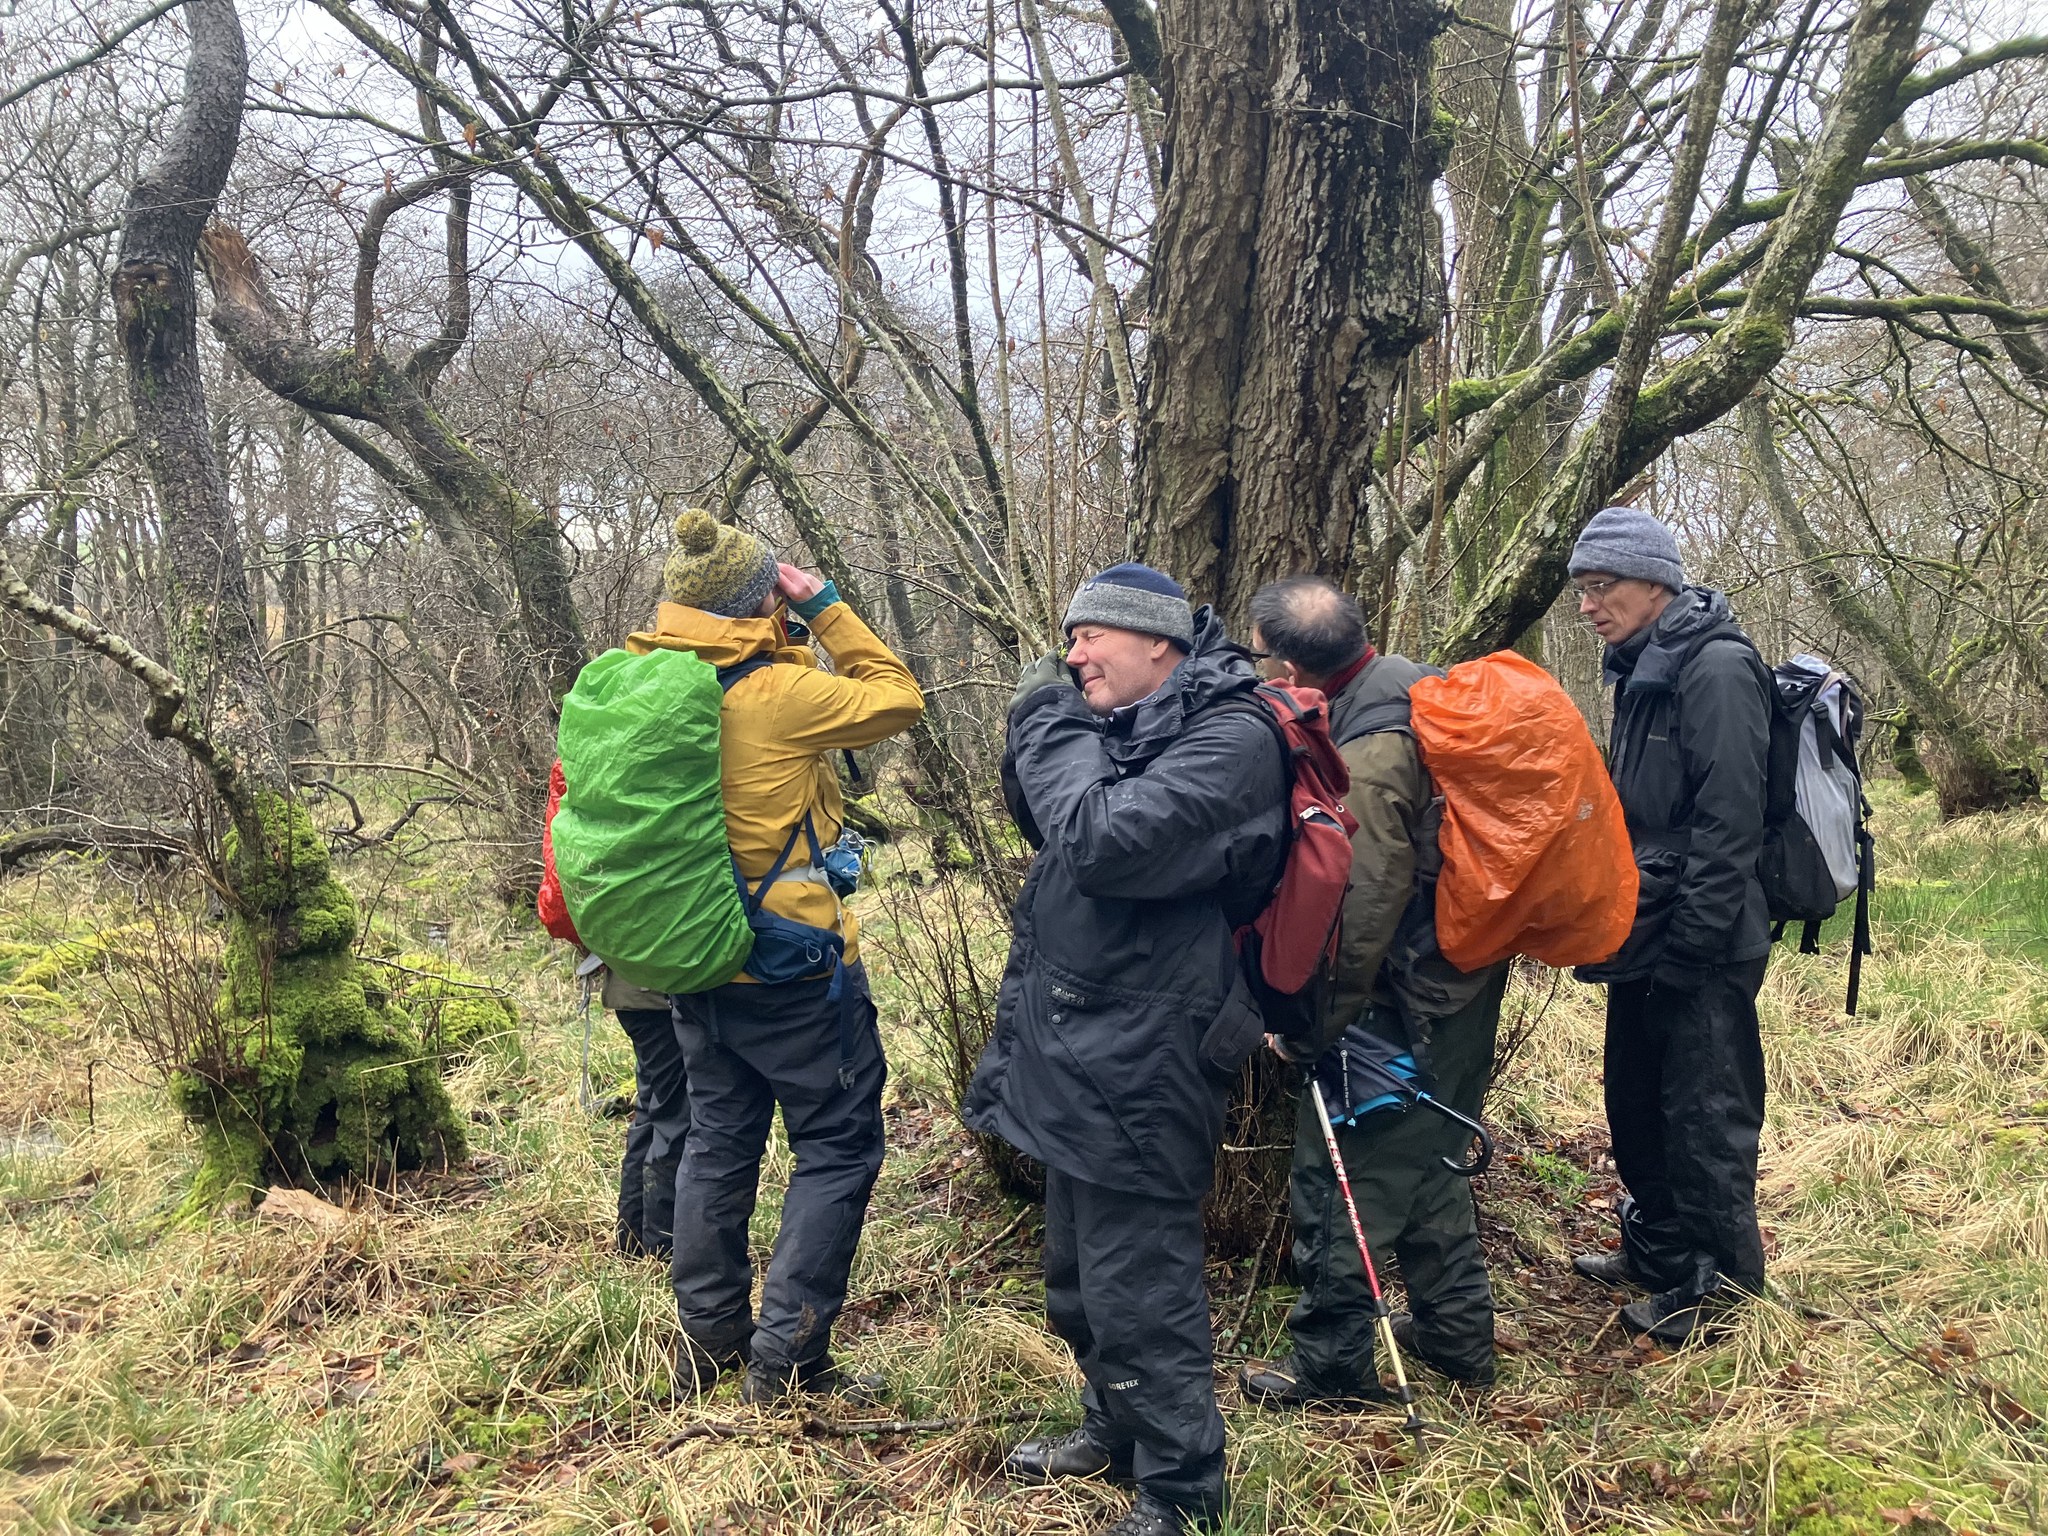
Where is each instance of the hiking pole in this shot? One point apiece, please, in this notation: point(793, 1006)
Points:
point(586, 978)
point(1383, 1320)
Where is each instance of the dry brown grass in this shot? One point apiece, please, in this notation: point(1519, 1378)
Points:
point(464, 1354)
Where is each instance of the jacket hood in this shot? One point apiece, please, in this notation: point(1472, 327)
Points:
point(1651, 659)
point(721, 641)
point(1216, 669)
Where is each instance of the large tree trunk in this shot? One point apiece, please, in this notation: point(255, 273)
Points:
point(1295, 266)
point(304, 1076)
point(1968, 776)
point(156, 308)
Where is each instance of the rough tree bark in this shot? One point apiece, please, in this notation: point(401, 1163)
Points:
point(1295, 266)
point(1968, 776)
point(294, 1073)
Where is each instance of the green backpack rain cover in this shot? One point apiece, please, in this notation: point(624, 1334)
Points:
point(639, 839)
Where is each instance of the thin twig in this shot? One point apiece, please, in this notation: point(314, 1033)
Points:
point(818, 1424)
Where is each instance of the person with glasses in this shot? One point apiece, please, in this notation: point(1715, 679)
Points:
point(1390, 983)
point(1684, 1065)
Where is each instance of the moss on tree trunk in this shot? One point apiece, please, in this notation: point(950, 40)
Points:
point(312, 1079)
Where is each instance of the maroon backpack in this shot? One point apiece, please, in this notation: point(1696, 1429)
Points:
point(1291, 946)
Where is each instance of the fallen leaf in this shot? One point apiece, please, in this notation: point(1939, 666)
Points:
point(2008, 1407)
point(1915, 1514)
point(298, 1206)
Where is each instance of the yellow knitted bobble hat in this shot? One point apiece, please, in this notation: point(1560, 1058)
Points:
point(717, 567)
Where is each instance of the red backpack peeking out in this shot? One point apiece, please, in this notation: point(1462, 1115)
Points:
point(554, 911)
point(1292, 944)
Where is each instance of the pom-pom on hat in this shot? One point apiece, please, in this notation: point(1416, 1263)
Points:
point(717, 567)
point(1136, 597)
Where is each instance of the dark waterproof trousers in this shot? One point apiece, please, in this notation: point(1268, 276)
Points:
point(749, 1049)
point(654, 1139)
point(1685, 1107)
point(1415, 1212)
point(1123, 1287)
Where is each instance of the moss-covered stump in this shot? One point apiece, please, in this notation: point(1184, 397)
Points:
point(310, 1079)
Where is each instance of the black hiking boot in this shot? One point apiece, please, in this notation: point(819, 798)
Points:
point(770, 1386)
point(1148, 1517)
point(1049, 1458)
point(1465, 1375)
point(1616, 1270)
point(1283, 1384)
point(698, 1368)
point(1678, 1316)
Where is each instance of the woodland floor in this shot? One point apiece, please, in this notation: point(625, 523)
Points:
point(462, 1352)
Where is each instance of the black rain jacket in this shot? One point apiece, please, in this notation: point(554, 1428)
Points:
point(1692, 729)
point(1123, 1014)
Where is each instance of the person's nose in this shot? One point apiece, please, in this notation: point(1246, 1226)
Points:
point(1587, 603)
point(1075, 654)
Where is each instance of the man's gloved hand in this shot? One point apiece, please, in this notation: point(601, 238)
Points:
point(1049, 671)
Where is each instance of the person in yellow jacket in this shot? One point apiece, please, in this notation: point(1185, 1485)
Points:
point(802, 1045)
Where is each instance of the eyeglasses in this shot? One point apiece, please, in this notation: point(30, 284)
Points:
point(1596, 590)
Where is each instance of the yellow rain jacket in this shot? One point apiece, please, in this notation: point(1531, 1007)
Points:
point(778, 728)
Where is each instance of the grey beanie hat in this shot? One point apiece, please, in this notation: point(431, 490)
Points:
point(1625, 542)
point(1135, 597)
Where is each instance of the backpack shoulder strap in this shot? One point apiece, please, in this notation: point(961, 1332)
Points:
point(1386, 707)
point(1378, 718)
point(727, 676)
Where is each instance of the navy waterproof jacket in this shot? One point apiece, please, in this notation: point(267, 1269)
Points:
point(1123, 1014)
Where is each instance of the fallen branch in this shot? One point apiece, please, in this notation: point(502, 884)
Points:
point(446, 981)
point(81, 837)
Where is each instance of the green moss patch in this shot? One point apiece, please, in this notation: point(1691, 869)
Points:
point(315, 1078)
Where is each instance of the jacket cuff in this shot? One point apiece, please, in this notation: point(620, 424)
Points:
point(816, 603)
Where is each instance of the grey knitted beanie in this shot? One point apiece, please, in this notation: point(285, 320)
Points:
point(1624, 542)
point(1136, 597)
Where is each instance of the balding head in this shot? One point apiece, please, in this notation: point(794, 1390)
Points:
point(1309, 623)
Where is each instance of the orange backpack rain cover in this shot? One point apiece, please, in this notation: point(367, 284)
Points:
point(1536, 855)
